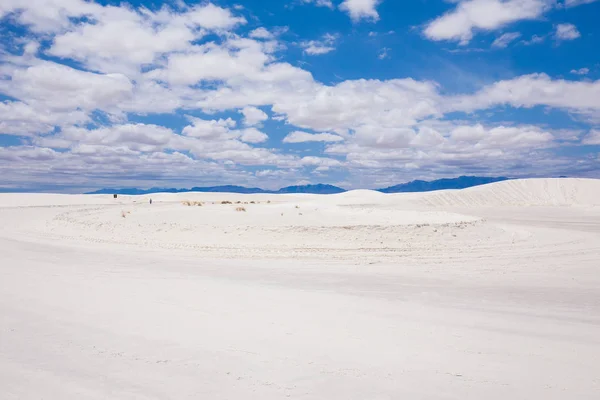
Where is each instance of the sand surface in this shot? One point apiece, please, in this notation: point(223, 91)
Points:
point(491, 292)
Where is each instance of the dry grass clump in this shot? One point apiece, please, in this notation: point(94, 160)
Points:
point(240, 209)
point(297, 206)
point(192, 203)
point(252, 202)
point(226, 202)
point(268, 201)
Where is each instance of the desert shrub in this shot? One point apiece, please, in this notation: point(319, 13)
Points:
point(226, 202)
point(240, 209)
point(192, 203)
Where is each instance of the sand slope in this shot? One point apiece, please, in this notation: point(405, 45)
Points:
point(523, 192)
point(491, 292)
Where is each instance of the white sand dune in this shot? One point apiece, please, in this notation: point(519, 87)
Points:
point(523, 192)
point(490, 292)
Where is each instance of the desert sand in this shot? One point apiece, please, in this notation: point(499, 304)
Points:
point(491, 292)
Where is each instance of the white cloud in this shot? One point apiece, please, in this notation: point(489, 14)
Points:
point(580, 71)
point(253, 135)
point(17, 118)
point(566, 32)
point(253, 116)
point(384, 53)
point(504, 40)
point(573, 3)
point(469, 16)
point(222, 130)
point(352, 104)
point(58, 87)
point(321, 162)
point(361, 9)
point(261, 33)
point(49, 15)
point(535, 39)
point(209, 129)
point(27, 153)
point(210, 16)
point(457, 147)
point(119, 38)
point(592, 138)
point(121, 45)
point(237, 59)
point(318, 47)
point(532, 90)
point(134, 137)
point(320, 3)
point(303, 137)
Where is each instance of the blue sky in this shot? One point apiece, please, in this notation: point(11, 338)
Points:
point(357, 93)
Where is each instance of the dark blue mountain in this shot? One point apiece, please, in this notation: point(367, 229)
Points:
point(461, 182)
point(226, 189)
point(210, 189)
point(135, 191)
point(414, 186)
point(313, 189)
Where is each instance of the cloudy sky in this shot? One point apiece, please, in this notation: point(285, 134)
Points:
point(358, 93)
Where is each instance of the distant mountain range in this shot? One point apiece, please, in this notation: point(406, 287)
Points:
point(461, 182)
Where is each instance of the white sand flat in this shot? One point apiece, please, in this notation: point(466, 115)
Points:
point(491, 292)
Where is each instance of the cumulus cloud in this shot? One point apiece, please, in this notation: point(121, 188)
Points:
point(59, 87)
point(209, 129)
point(533, 90)
point(592, 138)
point(323, 163)
point(319, 3)
point(253, 116)
point(261, 33)
point(573, 3)
point(580, 71)
point(504, 40)
point(470, 16)
point(361, 9)
point(253, 135)
point(20, 119)
point(535, 39)
point(303, 137)
point(114, 38)
point(566, 32)
point(318, 47)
